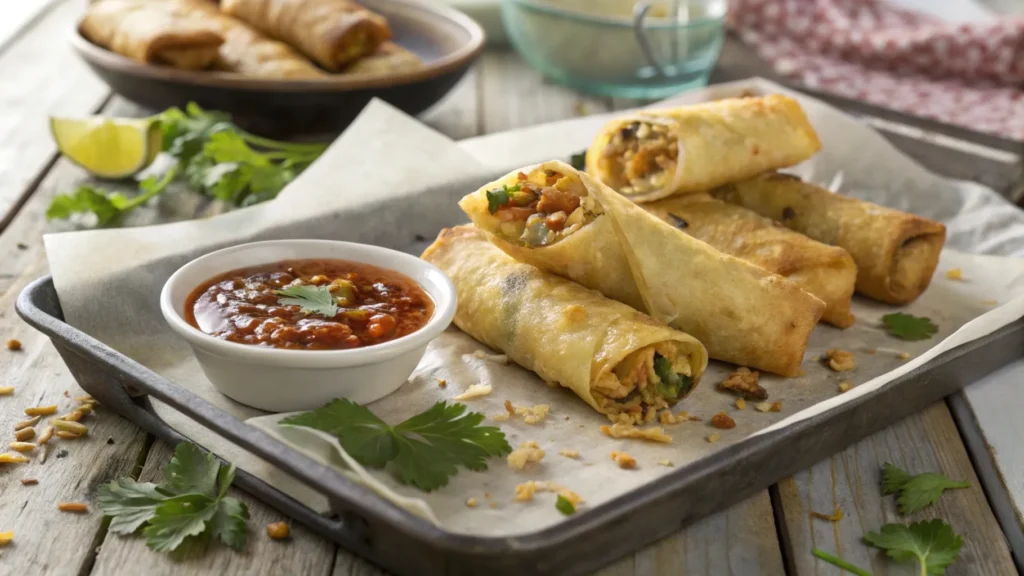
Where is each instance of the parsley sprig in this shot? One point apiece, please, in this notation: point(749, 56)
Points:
point(211, 155)
point(311, 299)
point(189, 506)
point(909, 327)
point(425, 450)
point(916, 492)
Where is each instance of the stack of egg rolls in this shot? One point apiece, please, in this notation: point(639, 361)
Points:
point(616, 359)
point(896, 252)
point(567, 223)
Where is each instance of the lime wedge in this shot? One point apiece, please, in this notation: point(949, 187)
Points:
point(108, 147)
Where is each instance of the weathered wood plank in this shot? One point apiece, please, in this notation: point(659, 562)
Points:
point(926, 442)
point(42, 76)
point(303, 553)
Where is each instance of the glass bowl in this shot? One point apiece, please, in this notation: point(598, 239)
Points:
point(619, 48)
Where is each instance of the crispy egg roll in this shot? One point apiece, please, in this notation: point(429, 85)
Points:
point(568, 223)
point(333, 33)
point(152, 32)
point(388, 59)
point(827, 272)
point(248, 52)
point(617, 359)
point(896, 252)
point(659, 153)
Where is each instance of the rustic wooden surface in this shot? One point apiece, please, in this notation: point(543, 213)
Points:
point(500, 93)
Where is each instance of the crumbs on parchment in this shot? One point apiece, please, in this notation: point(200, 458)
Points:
point(839, 360)
point(723, 421)
point(474, 391)
point(955, 274)
point(527, 452)
point(623, 430)
point(575, 455)
point(744, 381)
point(623, 460)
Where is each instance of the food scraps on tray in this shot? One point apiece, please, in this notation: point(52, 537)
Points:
point(309, 305)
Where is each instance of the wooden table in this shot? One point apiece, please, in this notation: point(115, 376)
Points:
point(770, 533)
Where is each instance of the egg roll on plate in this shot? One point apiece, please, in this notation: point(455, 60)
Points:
point(333, 33)
point(896, 252)
point(388, 59)
point(153, 32)
point(827, 272)
point(616, 359)
point(568, 223)
point(654, 154)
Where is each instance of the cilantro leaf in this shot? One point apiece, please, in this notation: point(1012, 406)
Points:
point(311, 299)
point(916, 492)
point(228, 522)
point(932, 544)
point(191, 470)
point(672, 384)
point(908, 326)
point(563, 505)
point(87, 199)
point(500, 196)
point(425, 450)
point(178, 518)
point(130, 504)
point(579, 160)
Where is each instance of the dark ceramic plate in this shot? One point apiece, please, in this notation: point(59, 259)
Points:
point(447, 40)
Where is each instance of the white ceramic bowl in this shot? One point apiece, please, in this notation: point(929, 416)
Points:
point(280, 380)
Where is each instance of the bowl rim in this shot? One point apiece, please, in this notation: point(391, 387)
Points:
point(461, 57)
point(442, 293)
point(615, 21)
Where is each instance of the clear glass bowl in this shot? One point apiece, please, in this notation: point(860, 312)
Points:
point(619, 48)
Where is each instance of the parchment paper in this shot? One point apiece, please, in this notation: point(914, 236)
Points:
point(391, 181)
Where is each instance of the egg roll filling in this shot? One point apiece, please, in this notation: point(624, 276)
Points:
point(542, 207)
point(655, 377)
point(642, 156)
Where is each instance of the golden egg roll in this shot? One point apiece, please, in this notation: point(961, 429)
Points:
point(388, 59)
point(896, 252)
point(248, 52)
point(333, 33)
point(618, 360)
point(152, 32)
point(567, 223)
point(827, 272)
point(659, 153)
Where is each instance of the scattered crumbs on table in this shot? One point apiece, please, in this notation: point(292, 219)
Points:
point(45, 435)
point(62, 453)
point(441, 382)
point(566, 417)
point(839, 360)
point(768, 406)
point(665, 462)
point(835, 516)
point(10, 458)
point(14, 345)
point(744, 381)
point(903, 356)
point(713, 437)
point(575, 455)
point(78, 507)
point(25, 434)
point(525, 491)
point(955, 274)
point(27, 423)
point(527, 452)
point(509, 407)
point(844, 386)
point(29, 481)
point(6, 537)
point(533, 414)
point(990, 303)
point(471, 502)
point(624, 430)
point(474, 391)
point(67, 394)
point(723, 421)
point(110, 441)
point(6, 390)
point(623, 460)
point(741, 404)
point(500, 417)
point(278, 530)
point(22, 246)
point(22, 447)
point(41, 410)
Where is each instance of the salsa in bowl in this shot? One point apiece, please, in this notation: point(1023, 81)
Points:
point(291, 324)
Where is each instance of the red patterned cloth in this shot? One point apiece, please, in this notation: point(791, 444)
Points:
point(971, 75)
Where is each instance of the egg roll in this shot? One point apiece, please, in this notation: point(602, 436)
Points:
point(152, 32)
point(567, 223)
point(654, 154)
point(827, 272)
point(620, 361)
point(250, 53)
point(388, 59)
point(896, 252)
point(333, 33)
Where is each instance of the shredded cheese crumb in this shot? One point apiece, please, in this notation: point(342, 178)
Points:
point(667, 418)
point(713, 437)
point(621, 430)
point(570, 454)
point(625, 461)
point(903, 356)
point(768, 407)
point(500, 417)
point(527, 452)
point(471, 502)
point(474, 391)
point(844, 386)
point(955, 274)
point(665, 462)
point(740, 404)
point(525, 491)
point(441, 382)
point(839, 360)
point(533, 414)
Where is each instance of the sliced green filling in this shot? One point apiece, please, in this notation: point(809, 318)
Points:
point(672, 384)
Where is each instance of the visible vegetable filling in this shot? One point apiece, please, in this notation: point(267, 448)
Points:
point(652, 377)
point(542, 207)
point(640, 157)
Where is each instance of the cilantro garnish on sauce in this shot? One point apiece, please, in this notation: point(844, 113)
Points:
point(672, 384)
point(500, 196)
point(311, 299)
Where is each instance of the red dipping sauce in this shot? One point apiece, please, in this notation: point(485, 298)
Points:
point(309, 305)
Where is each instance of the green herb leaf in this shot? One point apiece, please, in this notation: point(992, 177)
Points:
point(839, 562)
point(500, 196)
point(311, 299)
point(579, 160)
point(191, 470)
point(563, 505)
point(916, 492)
point(908, 326)
point(130, 504)
point(932, 544)
point(425, 450)
point(228, 522)
point(178, 518)
point(86, 199)
point(672, 384)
